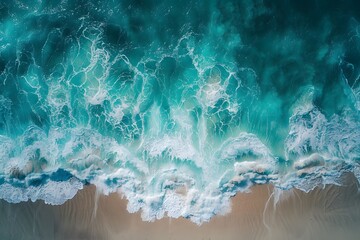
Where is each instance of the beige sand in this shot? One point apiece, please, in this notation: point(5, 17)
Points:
point(329, 213)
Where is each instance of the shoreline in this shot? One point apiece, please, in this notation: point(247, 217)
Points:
point(332, 212)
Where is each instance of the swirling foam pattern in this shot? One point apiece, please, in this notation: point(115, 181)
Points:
point(177, 104)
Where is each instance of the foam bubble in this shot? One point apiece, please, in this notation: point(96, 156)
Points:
point(52, 192)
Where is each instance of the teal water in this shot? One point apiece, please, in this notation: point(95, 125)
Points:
point(177, 104)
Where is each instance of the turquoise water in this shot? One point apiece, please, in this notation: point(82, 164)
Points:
point(179, 105)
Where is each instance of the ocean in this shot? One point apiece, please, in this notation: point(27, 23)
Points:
point(178, 105)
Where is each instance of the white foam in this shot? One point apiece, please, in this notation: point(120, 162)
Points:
point(245, 145)
point(174, 146)
point(55, 193)
point(313, 160)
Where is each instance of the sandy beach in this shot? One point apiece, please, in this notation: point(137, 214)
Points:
point(332, 212)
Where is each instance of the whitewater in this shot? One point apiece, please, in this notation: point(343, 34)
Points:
point(176, 105)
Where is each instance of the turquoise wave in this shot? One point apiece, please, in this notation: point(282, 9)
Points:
point(178, 105)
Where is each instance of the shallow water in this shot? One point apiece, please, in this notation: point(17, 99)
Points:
point(330, 213)
point(160, 97)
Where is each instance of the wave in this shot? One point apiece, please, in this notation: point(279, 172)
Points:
point(176, 118)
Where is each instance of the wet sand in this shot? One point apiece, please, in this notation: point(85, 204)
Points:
point(332, 212)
